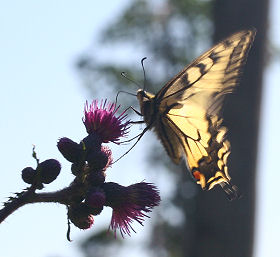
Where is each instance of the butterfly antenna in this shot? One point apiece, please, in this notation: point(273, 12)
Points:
point(116, 101)
point(144, 72)
point(129, 79)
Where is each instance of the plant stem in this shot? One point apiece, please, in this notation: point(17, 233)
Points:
point(65, 196)
point(14, 204)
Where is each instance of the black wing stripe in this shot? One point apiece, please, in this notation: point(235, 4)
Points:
point(166, 139)
point(214, 55)
point(175, 128)
point(182, 133)
point(188, 85)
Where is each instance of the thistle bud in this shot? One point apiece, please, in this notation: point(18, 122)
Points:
point(77, 168)
point(92, 143)
point(96, 211)
point(71, 151)
point(49, 170)
point(28, 175)
point(80, 216)
point(96, 178)
point(95, 198)
point(100, 160)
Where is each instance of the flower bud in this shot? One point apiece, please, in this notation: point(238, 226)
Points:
point(96, 178)
point(92, 143)
point(49, 170)
point(96, 211)
point(95, 198)
point(80, 216)
point(77, 168)
point(100, 160)
point(97, 161)
point(71, 151)
point(28, 175)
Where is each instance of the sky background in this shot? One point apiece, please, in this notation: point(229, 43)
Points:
point(42, 99)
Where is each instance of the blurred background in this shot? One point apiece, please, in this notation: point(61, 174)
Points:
point(56, 55)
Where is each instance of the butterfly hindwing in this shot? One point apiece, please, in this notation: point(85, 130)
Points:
point(186, 112)
point(170, 140)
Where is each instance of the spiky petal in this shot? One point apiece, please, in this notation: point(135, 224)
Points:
point(102, 120)
point(129, 204)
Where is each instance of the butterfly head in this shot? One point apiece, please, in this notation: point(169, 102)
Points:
point(146, 101)
point(143, 95)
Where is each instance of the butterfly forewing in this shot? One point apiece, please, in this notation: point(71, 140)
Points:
point(210, 76)
point(186, 112)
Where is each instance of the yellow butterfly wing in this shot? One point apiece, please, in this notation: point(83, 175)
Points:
point(186, 112)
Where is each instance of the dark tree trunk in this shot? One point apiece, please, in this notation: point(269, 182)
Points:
point(223, 228)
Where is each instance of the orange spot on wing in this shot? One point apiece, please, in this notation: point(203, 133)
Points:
point(200, 179)
point(197, 175)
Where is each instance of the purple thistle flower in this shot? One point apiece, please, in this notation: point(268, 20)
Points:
point(103, 121)
point(130, 203)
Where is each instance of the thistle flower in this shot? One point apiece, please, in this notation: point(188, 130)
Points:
point(88, 193)
point(102, 120)
point(130, 203)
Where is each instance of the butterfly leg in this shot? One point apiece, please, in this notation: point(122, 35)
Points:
point(140, 114)
point(129, 140)
point(137, 122)
point(139, 137)
point(134, 122)
point(137, 112)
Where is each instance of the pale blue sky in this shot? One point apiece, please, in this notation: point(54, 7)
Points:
point(42, 99)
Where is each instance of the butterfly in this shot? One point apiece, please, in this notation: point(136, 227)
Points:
point(186, 113)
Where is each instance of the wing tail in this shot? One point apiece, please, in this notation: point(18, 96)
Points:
point(231, 191)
